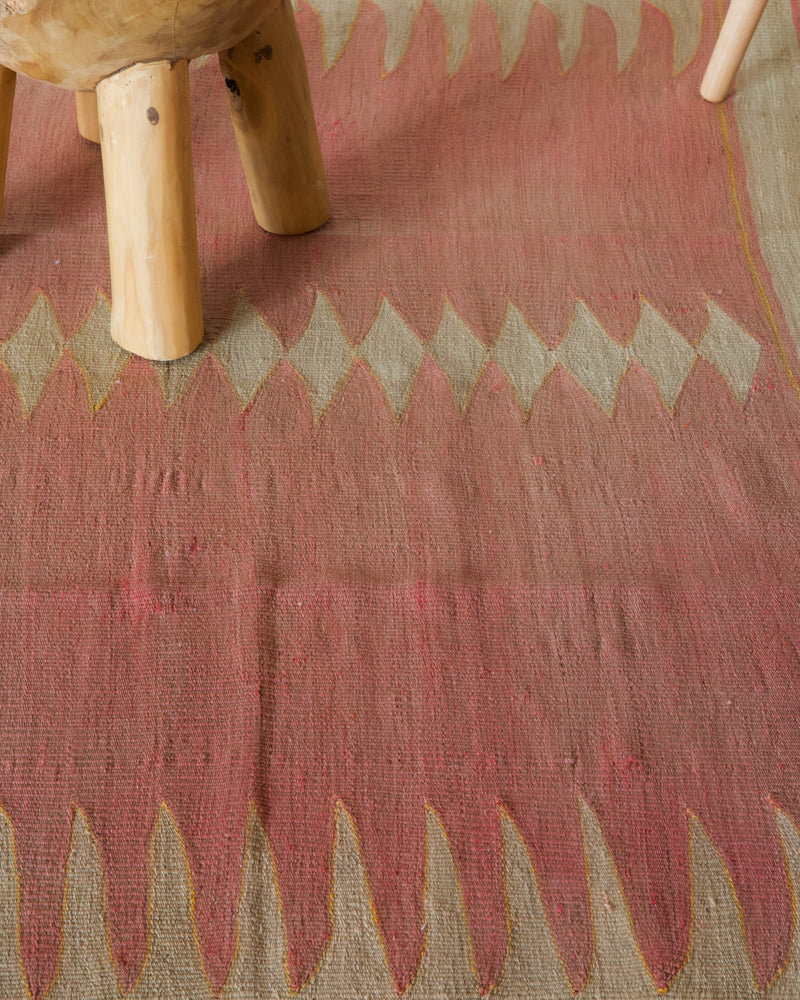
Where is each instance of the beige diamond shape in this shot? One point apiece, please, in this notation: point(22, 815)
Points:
point(522, 356)
point(459, 354)
point(175, 376)
point(732, 351)
point(33, 352)
point(663, 352)
point(394, 355)
point(248, 350)
point(592, 357)
point(99, 358)
point(323, 356)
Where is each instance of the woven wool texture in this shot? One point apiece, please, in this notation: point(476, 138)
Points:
point(433, 628)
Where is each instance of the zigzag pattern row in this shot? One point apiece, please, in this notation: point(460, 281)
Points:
point(249, 351)
point(339, 16)
point(354, 962)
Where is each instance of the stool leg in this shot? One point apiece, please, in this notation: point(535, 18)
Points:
point(8, 83)
point(738, 28)
point(270, 103)
point(152, 237)
point(86, 108)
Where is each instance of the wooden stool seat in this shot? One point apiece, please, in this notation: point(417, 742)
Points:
point(128, 60)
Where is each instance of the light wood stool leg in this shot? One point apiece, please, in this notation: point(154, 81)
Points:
point(8, 83)
point(152, 237)
point(270, 103)
point(738, 28)
point(86, 108)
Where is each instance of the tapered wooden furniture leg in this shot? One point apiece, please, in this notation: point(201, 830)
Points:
point(86, 107)
point(738, 28)
point(270, 104)
point(152, 238)
point(8, 83)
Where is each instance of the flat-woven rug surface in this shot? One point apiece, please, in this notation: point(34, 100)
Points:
point(434, 627)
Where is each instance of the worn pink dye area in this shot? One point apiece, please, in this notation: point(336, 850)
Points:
point(262, 632)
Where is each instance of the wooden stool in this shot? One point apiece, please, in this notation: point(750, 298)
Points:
point(129, 60)
point(738, 28)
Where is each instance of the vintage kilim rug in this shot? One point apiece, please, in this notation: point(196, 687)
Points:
point(435, 627)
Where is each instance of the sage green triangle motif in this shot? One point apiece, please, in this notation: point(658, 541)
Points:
point(33, 352)
point(457, 15)
point(512, 19)
point(568, 16)
point(617, 969)
point(592, 358)
point(393, 354)
point(247, 350)
point(322, 357)
point(686, 18)
point(786, 985)
point(446, 970)
point(522, 356)
point(85, 968)
point(12, 978)
point(337, 18)
point(174, 376)
point(354, 963)
point(399, 16)
point(532, 967)
point(732, 351)
point(259, 967)
point(663, 352)
point(626, 16)
point(718, 957)
point(460, 355)
point(173, 968)
point(99, 358)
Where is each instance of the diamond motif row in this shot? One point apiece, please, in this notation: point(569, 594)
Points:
point(248, 351)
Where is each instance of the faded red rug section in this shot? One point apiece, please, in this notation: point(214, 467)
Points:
point(542, 188)
point(559, 565)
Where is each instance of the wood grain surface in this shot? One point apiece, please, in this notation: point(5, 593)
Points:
point(75, 45)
